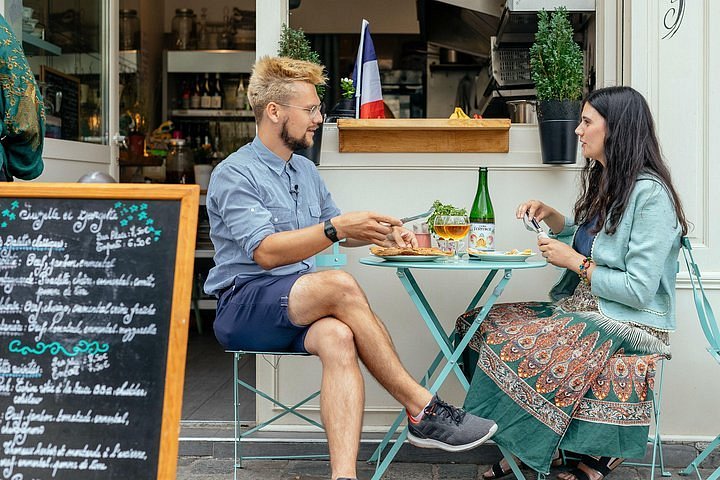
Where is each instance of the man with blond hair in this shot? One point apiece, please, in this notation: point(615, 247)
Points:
point(270, 213)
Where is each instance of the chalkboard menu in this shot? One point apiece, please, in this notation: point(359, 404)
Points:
point(94, 299)
point(62, 100)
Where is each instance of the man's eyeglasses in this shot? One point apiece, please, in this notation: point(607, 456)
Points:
point(312, 111)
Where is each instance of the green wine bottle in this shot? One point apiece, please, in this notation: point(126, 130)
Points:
point(482, 216)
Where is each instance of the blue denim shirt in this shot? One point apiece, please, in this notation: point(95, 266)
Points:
point(252, 194)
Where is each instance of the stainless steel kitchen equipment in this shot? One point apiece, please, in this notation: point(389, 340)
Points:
point(522, 111)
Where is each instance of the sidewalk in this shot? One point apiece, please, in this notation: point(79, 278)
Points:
point(206, 453)
point(209, 468)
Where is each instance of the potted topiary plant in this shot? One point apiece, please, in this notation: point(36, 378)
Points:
point(556, 64)
point(294, 44)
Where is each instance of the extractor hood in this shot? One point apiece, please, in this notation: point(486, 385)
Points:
point(468, 25)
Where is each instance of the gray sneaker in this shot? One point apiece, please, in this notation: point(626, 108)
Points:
point(449, 428)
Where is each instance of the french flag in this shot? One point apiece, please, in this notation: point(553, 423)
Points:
point(366, 78)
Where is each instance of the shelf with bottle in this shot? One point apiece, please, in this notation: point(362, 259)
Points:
point(199, 113)
point(208, 95)
point(212, 140)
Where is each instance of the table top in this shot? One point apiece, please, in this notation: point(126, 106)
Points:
point(463, 265)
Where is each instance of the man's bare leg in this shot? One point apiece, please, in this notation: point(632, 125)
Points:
point(342, 397)
point(334, 293)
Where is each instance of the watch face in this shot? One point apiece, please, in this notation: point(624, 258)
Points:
point(330, 231)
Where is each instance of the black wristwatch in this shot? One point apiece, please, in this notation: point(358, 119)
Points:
point(330, 231)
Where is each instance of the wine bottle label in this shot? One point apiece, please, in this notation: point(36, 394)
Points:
point(482, 236)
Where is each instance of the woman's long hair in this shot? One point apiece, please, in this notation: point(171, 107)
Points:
point(631, 147)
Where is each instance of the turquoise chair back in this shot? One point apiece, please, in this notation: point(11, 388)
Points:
point(331, 260)
point(706, 316)
point(711, 330)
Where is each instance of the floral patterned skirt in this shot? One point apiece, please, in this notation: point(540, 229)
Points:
point(552, 378)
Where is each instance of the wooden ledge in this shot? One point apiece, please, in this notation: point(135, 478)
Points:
point(425, 135)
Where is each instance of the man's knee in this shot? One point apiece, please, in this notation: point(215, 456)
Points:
point(341, 285)
point(333, 338)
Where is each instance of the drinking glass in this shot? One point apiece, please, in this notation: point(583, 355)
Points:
point(454, 228)
point(439, 228)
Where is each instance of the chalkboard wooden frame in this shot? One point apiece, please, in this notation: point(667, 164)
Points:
point(188, 196)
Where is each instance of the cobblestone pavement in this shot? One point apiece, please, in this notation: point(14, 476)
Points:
point(209, 468)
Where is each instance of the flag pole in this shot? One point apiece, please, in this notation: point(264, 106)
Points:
point(359, 66)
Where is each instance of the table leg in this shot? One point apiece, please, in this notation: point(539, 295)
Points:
point(431, 320)
point(452, 359)
point(445, 343)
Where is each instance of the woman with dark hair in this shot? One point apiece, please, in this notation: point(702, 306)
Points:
point(577, 374)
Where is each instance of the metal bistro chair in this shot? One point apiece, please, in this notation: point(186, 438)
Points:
point(711, 329)
point(334, 260)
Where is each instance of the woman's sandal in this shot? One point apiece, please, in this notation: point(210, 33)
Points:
point(497, 470)
point(602, 465)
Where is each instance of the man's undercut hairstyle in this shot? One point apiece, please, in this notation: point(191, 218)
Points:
point(272, 81)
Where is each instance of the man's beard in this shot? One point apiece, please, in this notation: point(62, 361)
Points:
point(294, 143)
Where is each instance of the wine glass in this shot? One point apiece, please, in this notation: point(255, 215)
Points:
point(439, 228)
point(454, 228)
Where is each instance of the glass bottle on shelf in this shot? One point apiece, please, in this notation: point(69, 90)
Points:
point(217, 98)
point(129, 28)
point(185, 96)
point(183, 26)
point(202, 33)
point(179, 162)
point(196, 93)
point(241, 99)
point(226, 36)
point(206, 97)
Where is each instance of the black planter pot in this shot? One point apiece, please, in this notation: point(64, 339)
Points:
point(345, 108)
point(557, 120)
point(313, 153)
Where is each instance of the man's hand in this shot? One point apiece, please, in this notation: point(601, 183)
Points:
point(365, 227)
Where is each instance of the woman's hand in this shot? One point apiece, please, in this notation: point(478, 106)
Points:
point(560, 254)
point(535, 208)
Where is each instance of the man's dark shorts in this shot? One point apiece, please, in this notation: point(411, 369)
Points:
point(253, 315)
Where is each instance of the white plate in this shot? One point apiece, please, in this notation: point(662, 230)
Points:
point(501, 257)
point(411, 258)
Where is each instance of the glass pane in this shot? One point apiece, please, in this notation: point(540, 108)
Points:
point(63, 43)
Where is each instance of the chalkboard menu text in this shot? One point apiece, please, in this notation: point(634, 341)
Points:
point(94, 300)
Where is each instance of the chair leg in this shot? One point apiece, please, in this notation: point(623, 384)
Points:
point(239, 435)
point(695, 464)
point(196, 305)
point(513, 464)
point(237, 463)
point(656, 440)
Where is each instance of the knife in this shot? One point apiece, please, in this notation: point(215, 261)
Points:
point(415, 217)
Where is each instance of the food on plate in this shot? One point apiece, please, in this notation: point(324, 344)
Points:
point(417, 251)
point(514, 251)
